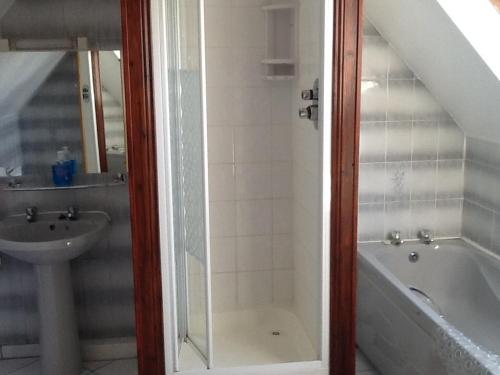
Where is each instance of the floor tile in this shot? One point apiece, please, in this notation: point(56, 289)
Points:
point(31, 366)
point(9, 366)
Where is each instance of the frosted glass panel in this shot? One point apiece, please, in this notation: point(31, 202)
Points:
point(188, 170)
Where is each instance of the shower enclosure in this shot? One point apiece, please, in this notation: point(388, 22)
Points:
point(245, 272)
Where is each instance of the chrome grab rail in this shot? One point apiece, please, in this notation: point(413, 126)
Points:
point(429, 300)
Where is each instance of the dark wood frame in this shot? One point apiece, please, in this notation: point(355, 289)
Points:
point(99, 110)
point(347, 52)
point(139, 110)
point(141, 148)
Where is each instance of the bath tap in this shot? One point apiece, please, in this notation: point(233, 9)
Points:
point(395, 238)
point(31, 214)
point(425, 236)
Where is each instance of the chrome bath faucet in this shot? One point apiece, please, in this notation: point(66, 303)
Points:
point(425, 236)
point(395, 238)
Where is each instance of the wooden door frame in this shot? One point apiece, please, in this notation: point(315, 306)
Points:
point(142, 162)
point(141, 148)
point(347, 53)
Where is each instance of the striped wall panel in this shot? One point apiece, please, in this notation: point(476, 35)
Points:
point(411, 151)
point(481, 215)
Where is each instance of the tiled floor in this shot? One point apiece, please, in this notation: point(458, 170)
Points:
point(30, 366)
point(363, 366)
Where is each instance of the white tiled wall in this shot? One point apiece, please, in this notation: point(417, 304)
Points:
point(250, 162)
point(481, 215)
point(306, 141)
point(411, 153)
point(264, 167)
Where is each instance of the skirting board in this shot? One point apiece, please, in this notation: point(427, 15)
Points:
point(92, 350)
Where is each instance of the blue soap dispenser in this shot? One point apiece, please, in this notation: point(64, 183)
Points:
point(62, 170)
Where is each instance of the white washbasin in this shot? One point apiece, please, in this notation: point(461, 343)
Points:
point(49, 239)
point(49, 243)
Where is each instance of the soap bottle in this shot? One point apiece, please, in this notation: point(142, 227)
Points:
point(62, 170)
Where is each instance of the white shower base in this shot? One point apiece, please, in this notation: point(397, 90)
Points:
point(245, 338)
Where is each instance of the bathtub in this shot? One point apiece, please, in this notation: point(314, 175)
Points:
point(438, 314)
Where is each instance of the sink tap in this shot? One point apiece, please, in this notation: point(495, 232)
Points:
point(425, 236)
point(31, 214)
point(395, 238)
point(72, 213)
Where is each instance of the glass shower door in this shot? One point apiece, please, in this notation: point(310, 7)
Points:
point(189, 167)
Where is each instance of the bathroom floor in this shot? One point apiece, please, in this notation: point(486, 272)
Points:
point(31, 366)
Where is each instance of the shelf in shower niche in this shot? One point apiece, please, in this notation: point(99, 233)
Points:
point(281, 36)
point(279, 61)
point(279, 78)
point(272, 7)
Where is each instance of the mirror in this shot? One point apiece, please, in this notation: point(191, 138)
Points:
point(53, 100)
point(62, 91)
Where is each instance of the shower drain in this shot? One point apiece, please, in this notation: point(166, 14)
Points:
point(276, 333)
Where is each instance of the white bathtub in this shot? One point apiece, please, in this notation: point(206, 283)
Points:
point(448, 324)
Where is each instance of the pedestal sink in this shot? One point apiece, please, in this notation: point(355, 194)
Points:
point(49, 244)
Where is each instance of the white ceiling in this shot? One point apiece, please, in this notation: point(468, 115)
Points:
point(432, 45)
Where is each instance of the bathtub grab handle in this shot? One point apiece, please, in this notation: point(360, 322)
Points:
point(429, 299)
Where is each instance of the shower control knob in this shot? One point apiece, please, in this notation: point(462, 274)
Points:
point(307, 95)
point(310, 112)
point(313, 110)
point(304, 113)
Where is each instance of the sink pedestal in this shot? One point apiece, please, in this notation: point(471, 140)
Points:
point(59, 342)
point(49, 244)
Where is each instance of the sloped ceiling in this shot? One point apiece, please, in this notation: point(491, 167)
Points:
point(431, 44)
point(111, 75)
point(21, 73)
point(4, 6)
